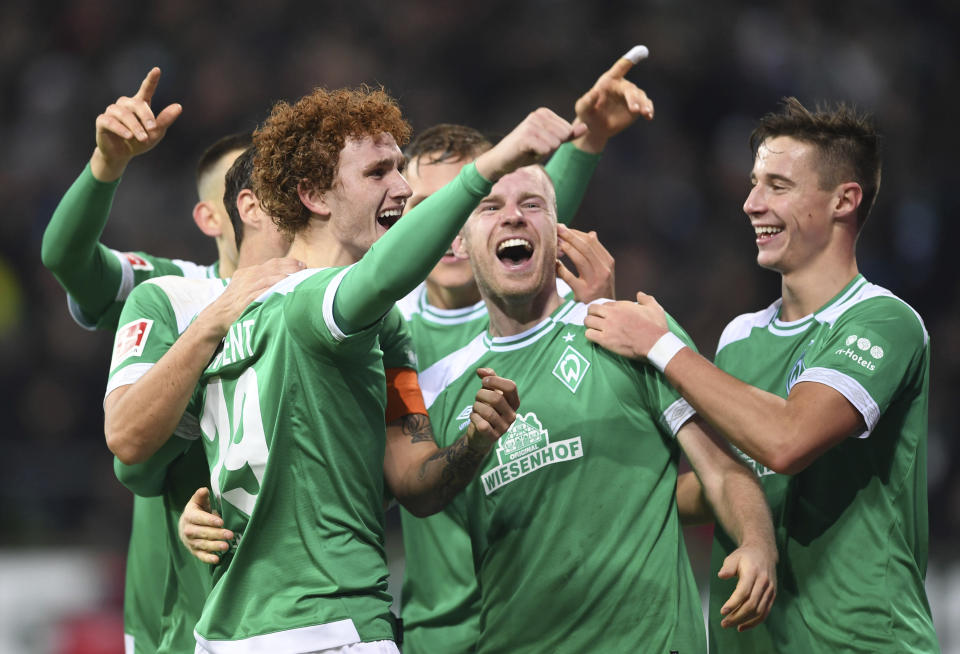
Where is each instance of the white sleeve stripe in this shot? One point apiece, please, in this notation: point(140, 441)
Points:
point(188, 428)
point(126, 376)
point(77, 314)
point(851, 389)
point(329, 294)
point(677, 414)
point(126, 281)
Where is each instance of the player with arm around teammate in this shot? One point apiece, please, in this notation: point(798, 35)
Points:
point(834, 419)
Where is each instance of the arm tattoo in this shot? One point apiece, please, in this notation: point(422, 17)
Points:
point(417, 427)
point(460, 463)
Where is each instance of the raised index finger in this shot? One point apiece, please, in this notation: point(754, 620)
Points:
point(623, 65)
point(149, 85)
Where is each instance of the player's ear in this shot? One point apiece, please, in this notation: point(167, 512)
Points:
point(313, 199)
point(459, 247)
point(207, 219)
point(247, 204)
point(847, 199)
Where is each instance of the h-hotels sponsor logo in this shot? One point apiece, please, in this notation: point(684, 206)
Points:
point(856, 345)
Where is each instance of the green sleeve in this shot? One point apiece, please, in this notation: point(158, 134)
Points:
point(71, 249)
point(571, 170)
point(147, 479)
point(396, 343)
point(404, 256)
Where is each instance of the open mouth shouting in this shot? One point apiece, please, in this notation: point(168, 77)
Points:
point(388, 217)
point(514, 253)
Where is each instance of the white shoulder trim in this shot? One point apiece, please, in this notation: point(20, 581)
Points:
point(866, 291)
point(577, 313)
point(677, 414)
point(563, 289)
point(77, 314)
point(193, 270)
point(329, 294)
point(850, 388)
point(188, 296)
point(315, 638)
point(740, 327)
point(444, 372)
point(126, 376)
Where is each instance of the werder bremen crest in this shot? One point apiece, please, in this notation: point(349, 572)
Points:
point(571, 368)
point(525, 448)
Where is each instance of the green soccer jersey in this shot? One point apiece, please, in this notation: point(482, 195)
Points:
point(165, 586)
point(852, 527)
point(292, 419)
point(440, 603)
point(572, 521)
point(98, 279)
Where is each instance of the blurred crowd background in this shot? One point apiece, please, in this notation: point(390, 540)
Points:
point(666, 199)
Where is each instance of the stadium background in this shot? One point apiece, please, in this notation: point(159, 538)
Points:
point(666, 200)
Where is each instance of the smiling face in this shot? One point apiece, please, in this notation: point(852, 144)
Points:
point(791, 215)
point(426, 177)
point(511, 237)
point(368, 192)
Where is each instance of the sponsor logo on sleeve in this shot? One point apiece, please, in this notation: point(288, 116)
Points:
point(861, 351)
point(137, 262)
point(130, 340)
point(571, 368)
point(526, 448)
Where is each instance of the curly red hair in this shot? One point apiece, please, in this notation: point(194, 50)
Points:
point(302, 143)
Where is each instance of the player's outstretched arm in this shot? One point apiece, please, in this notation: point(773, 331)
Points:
point(692, 505)
point(71, 249)
point(424, 478)
point(201, 529)
point(737, 500)
point(595, 265)
point(140, 417)
point(786, 435)
point(370, 288)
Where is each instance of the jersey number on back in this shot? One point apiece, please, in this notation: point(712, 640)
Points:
point(238, 435)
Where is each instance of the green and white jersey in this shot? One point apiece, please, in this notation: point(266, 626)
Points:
point(852, 527)
point(136, 268)
point(165, 586)
point(572, 520)
point(293, 423)
point(438, 332)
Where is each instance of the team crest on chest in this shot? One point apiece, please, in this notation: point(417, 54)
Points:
point(571, 368)
point(526, 448)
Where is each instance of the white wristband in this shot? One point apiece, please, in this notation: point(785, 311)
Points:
point(664, 349)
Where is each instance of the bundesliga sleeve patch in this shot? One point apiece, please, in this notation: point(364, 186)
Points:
point(137, 262)
point(130, 341)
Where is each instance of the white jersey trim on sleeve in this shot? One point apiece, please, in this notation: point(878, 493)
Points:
point(77, 314)
point(328, 296)
point(127, 279)
point(128, 647)
point(677, 415)
point(866, 291)
point(127, 376)
point(851, 389)
point(304, 639)
point(188, 428)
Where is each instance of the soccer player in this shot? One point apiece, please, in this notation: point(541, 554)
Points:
point(573, 522)
point(98, 280)
point(441, 598)
point(144, 383)
point(824, 392)
point(293, 406)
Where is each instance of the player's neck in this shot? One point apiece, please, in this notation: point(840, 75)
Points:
point(511, 316)
point(317, 249)
point(805, 291)
point(452, 297)
point(227, 265)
